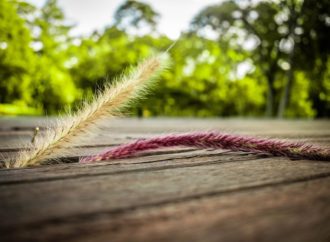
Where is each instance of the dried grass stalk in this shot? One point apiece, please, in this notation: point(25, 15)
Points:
point(70, 131)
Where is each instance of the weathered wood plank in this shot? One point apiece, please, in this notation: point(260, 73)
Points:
point(168, 158)
point(175, 194)
point(294, 212)
point(14, 142)
point(163, 125)
point(26, 203)
point(14, 133)
point(18, 140)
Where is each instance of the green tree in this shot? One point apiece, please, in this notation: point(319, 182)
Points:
point(54, 85)
point(289, 36)
point(198, 83)
point(116, 44)
point(308, 32)
point(136, 15)
point(265, 53)
point(313, 50)
point(237, 23)
point(16, 56)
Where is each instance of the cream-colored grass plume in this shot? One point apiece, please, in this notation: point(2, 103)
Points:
point(71, 130)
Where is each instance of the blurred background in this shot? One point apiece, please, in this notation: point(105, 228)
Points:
point(247, 58)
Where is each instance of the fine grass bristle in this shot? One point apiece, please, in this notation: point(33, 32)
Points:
point(70, 131)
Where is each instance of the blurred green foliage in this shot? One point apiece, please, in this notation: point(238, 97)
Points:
point(264, 58)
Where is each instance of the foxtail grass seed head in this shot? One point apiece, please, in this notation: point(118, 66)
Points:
point(70, 131)
point(215, 140)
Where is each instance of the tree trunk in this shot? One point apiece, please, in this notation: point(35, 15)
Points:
point(284, 102)
point(270, 76)
point(287, 91)
point(270, 95)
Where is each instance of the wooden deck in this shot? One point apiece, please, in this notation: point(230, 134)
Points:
point(180, 194)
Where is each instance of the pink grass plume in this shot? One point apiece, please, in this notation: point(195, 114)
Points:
point(215, 140)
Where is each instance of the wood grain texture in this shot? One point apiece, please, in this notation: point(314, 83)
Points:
point(176, 194)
